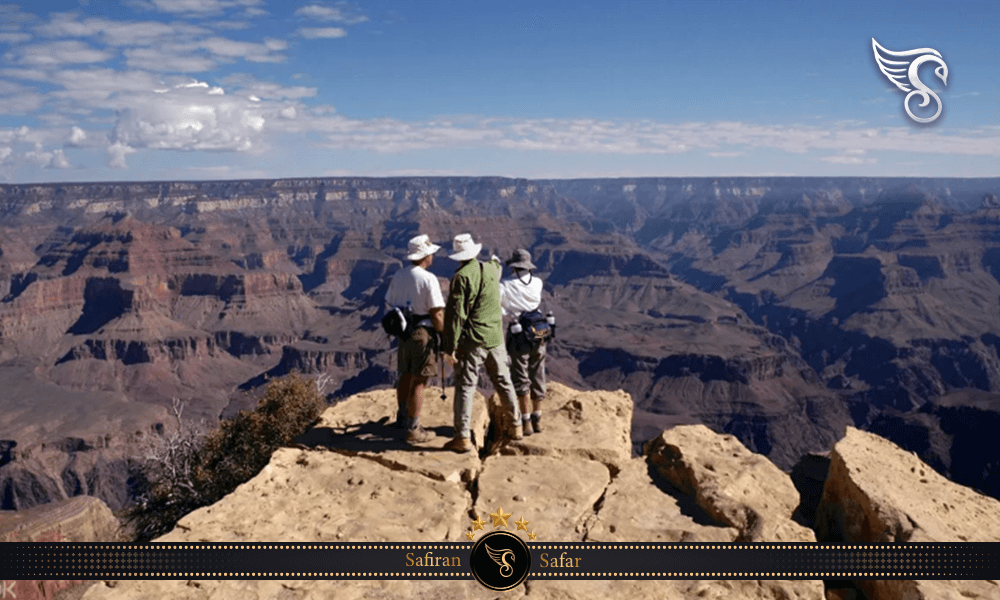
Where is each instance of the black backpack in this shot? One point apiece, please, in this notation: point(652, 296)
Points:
point(399, 322)
point(536, 327)
point(535, 330)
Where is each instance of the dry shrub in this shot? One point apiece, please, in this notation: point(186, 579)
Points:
point(190, 467)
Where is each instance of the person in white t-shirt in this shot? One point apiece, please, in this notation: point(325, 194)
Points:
point(521, 292)
point(415, 287)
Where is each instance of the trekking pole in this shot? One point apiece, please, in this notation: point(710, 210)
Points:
point(441, 362)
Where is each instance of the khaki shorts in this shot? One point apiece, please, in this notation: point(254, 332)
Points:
point(416, 354)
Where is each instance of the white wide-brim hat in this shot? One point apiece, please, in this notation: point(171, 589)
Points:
point(464, 248)
point(421, 247)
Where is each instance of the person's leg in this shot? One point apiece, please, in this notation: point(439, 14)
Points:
point(536, 372)
point(421, 369)
point(466, 378)
point(402, 387)
point(402, 393)
point(519, 377)
point(415, 400)
point(496, 368)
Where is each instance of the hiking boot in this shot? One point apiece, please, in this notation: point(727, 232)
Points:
point(518, 432)
point(460, 445)
point(534, 423)
point(419, 435)
point(526, 426)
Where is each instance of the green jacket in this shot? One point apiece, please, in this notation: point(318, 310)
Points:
point(482, 327)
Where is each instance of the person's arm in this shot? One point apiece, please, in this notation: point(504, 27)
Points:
point(455, 314)
point(437, 318)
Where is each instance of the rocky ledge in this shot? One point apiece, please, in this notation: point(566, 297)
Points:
point(348, 479)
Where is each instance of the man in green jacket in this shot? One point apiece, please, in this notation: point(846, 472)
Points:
point(473, 334)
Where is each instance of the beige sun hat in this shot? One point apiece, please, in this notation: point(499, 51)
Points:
point(464, 248)
point(421, 247)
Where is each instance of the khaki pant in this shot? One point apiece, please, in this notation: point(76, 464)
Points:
point(469, 358)
point(527, 371)
point(416, 354)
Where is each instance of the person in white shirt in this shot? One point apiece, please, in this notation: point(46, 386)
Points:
point(414, 286)
point(521, 292)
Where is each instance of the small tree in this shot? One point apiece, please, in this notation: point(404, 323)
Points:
point(184, 471)
point(164, 475)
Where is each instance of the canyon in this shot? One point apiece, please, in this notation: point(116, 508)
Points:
point(776, 310)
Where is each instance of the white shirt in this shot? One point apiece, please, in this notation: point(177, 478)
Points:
point(517, 297)
point(415, 285)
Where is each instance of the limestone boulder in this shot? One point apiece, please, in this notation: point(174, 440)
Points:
point(314, 496)
point(734, 486)
point(556, 495)
point(357, 426)
point(593, 425)
point(877, 493)
point(635, 509)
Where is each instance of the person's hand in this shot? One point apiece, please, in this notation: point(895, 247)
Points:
point(450, 359)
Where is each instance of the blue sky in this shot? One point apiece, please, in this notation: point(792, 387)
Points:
point(104, 90)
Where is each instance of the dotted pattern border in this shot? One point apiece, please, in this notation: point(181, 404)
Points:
point(918, 560)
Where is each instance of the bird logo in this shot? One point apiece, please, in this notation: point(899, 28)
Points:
point(500, 558)
point(902, 70)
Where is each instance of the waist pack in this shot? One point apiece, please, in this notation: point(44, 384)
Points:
point(401, 322)
point(535, 330)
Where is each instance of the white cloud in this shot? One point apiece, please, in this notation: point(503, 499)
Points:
point(164, 61)
point(273, 44)
point(117, 153)
point(12, 18)
point(118, 33)
point(55, 54)
point(14, 38)
point(191, 116)
point(199, 8)
point(341, 13)
point(29, 74)
point(636, 137)
point(59, 160)
point(313, 33)
point(77, 137)
point(21, 103)
point(726, 154)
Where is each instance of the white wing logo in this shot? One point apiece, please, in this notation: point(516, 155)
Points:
point(903, 72)
point(500, 558)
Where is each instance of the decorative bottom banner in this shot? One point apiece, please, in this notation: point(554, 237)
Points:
point(499, 560)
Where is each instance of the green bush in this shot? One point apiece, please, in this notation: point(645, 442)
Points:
point(190, 468)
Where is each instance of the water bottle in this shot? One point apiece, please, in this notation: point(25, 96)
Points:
point(551, 319)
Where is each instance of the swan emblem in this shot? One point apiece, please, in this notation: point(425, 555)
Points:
point(500, 558)
point(902, 70)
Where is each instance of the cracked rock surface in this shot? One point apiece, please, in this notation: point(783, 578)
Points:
point(350, 479)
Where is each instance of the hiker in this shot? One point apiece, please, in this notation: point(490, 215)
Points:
point(473, 334)
point(416, 288)
point(520, 297)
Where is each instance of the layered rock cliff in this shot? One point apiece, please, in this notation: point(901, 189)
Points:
point(776, 310)
point(349, 479)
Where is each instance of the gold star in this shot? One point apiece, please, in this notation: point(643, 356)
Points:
point(499, 517)
point(478, 524)
point(469, 535)
point(531, 536)
point(521, 524)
